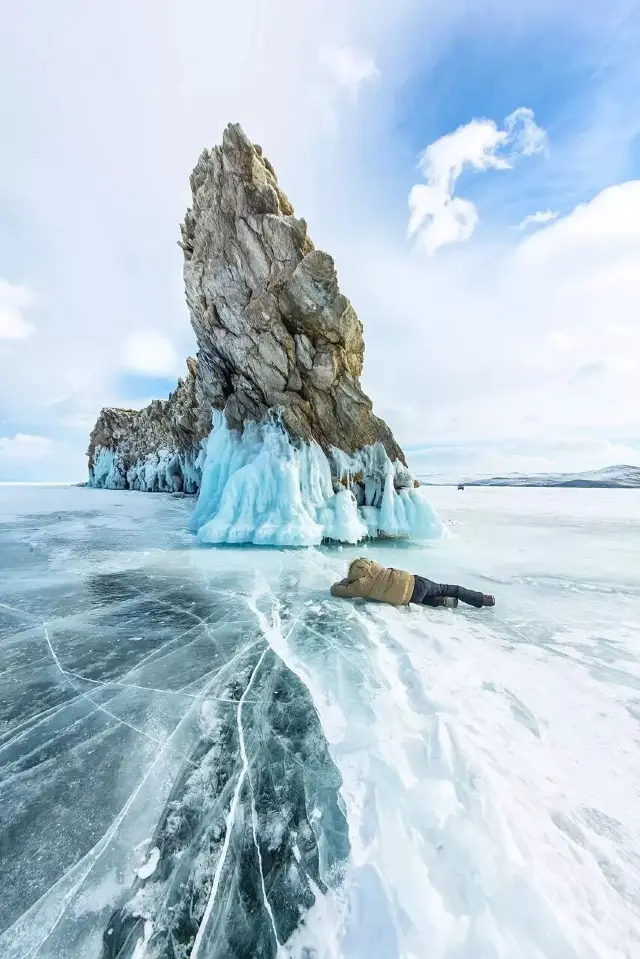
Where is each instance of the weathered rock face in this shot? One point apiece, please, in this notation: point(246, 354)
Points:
point(273, 332)
point(155, 448)
point(272, 326)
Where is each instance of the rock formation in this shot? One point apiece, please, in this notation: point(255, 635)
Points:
point(273, 331)
point(155, 448)
point(294, 453)
point(272, 326)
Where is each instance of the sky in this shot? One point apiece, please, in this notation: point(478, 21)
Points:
point(473, 166)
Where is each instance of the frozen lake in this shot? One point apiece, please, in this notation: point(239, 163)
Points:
point(202, 754)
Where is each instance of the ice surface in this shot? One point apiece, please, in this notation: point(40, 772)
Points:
point(202, 754)
point(257, 488)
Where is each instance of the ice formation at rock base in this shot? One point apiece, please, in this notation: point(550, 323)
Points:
point(279, 344)
point(258, 487)
point(162, 472)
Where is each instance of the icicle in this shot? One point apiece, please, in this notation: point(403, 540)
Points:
point(257, 487)
point(162, 472)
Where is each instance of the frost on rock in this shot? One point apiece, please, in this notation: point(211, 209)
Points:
point(258, 487)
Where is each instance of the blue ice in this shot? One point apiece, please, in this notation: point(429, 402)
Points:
point(257, 487)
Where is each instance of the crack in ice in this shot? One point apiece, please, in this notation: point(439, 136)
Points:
point(254, 829)
point(107, 712)
point(116, 682)
point(21, 730)
point(101, 846)
point(230, 818)
point(20, 612)
point(164, 602)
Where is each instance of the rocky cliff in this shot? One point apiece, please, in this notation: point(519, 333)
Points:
point(156, 448)
point(272, 326)
point(274, 332)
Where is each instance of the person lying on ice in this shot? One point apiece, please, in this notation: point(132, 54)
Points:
point(370, 580)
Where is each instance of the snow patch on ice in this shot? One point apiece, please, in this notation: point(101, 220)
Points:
point(257, 487)
point(141, 946)
point(149, 867)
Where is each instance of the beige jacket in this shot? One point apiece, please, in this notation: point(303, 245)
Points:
point(372, 581)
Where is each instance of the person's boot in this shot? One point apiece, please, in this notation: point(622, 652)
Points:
point(488, 600)
point(450, 601)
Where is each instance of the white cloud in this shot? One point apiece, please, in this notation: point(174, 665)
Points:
point(542, 216)
point(25, 447)
point(350, 68)
point(537, 341)
point(452, 463)
point(84, 421)
point(523, 135)
point(120, 270)
point(458, 331)
point(151, 354)
point(13, 301)
point(438, 217)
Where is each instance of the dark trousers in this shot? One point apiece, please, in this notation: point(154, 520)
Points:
point(426, 593)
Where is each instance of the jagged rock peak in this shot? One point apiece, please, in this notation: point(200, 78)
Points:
point(274, 333)
point(273, 328)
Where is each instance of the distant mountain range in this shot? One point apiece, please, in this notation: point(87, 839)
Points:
point(611, 477)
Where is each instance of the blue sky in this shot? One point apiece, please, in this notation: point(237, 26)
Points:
point(492, 344)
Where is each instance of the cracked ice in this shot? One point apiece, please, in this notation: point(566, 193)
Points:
point(202, 754)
